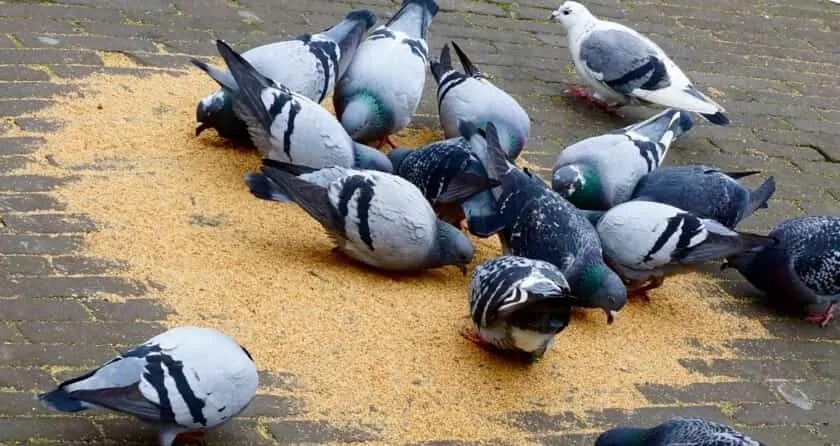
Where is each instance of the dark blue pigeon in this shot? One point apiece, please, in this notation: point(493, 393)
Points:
point(677, 432)
point(707, 192)
point(802, 270)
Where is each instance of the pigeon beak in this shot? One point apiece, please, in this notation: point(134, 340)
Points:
point(200, 127)
point(611, 317)
point(463, 269)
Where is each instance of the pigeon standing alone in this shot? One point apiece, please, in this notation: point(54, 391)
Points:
point(622, 65)
point(677, 431)
point(286, 126)
point(803, 270)
point(377, 218)
point(601, 172)
point(519, 305)
point(706, 192)
point(381, 89)
point(471, 97)
point(186, 381)
point(309, 65)
point(641, 238)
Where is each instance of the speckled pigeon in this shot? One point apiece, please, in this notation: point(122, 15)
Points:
point(537, 223)
point(707, 192)
point(377, 218)
point(803, 270)
point(677, 432)
point(519, 305)
point(381, 90)
point(309, 65)
point(641, 238)
point(601, 172)
point(622, 65)
point(185, 381)
point(471, 97)
point(286, 126)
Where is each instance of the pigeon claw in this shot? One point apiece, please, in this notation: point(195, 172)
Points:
point(576, 92)
point(822, 319)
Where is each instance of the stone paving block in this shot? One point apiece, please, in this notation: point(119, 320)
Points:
point(652, 416)
point(25, 429)
point(707, 393)
point(9, 333)
point(37, 125)
point(287, 432)
point(11, 163)
point(239, 433)
point(27, 90)
point(23, 265)
point(86, 42)
point(92, 333)
point(21, 404)
point(42, 310)
point(829, 369)
point(29, 183)
point(786, 435)
point(273, 406)
point(567, 440)
point(18, 107)
point(25, 379)
point(49, 223)
point(74, 265)
point(131, 310)
point(68, 286)
point(48, 56)
point(787, 414)
point(36, 355)
point(785, 349)
point(787, 330)
point(37, 244)
point(277, 380)
point(125, 429)
point(751, 368)
point(42, 24)
point(537, 421)
point(21, 145)
point(28, 203)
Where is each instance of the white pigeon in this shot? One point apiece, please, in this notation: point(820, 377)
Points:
point(286, 126)
point(471, 97)
point(186, 380)
point(621, 65)
point(641, 238)
point(377, 218)
point(381, 90)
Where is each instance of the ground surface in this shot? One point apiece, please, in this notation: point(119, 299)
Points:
point(772, 64)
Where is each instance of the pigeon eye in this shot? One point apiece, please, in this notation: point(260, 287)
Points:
point(566, 12)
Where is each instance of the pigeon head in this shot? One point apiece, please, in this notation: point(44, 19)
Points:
point(453, 248)
point(600, 287)
point(570, 14)
point(580, 184)
point(215, 111)
point(623, 436)
point(397, 156)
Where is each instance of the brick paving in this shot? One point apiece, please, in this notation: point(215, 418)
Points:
point(773, 64)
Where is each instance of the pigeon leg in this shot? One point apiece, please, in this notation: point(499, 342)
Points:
point(192, 438)
point(586, 95)
point(653, 284)
point(822, 319)
point(387, 141)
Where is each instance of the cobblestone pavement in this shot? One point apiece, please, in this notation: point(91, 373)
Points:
point(773, 64)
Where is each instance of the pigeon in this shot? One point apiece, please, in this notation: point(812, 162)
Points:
point(377, 218)
point(381, 90)
point(707, 192)
point(537, 223)
point(677, 431)
point(471, 97)
point(601, 172)
point(286, 126)
point(641, 238)
point(309, 65)
point(622, 65)
point(185, 381)
point(803, 270)
point(519, 305)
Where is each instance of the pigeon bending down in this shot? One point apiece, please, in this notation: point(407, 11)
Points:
point(186, 381)
point(622, 65)
point(377, 218)
point(641, 238)
point(707, 192)
point(381, 90)
point(519, 305)
point(601, 172)
point(286, 126)
point(471, 97)
point(677, 431)
point(803, 270)
point(536, 223)
point(309, 65)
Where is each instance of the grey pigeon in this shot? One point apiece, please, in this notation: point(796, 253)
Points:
point(677, 431)
point(537, 223)
point(641, 238)
point(377, 218)
point(707, 192)
point(471, 97)
point(519, 305)
point(309, 65)
point(803, 270)
point(381, 90)
point(601, 172)
point(185, 381)
point(621, 65)
point(286, 126)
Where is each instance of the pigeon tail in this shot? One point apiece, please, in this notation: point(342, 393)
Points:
point(744, 174)
point(469, 67)
point(443, 65)
point(349, 34)
point(414, 17)
point(250, 82)
point(497, 157)
point(221, 77)
point(717, 246)
point(363, 16)
point(760, 196)
point(60, 400)
point(313, 198)
point(263, 188)
point(664, 127)
point(718, 118)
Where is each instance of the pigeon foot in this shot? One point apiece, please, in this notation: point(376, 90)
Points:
point(651, 285)
point(387, 141)
point(576, 92)
point(822, 319)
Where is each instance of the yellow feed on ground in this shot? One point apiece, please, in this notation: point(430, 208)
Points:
point(368, 347)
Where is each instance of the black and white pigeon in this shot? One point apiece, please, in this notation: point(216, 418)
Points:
point(601, 172)
point(803, 270)
point(519, 305)
point(537, 223)
point(310, 65)
point(286, 126)
point(677, 431)
point(707, 192)
point(381, 89)
point(641, 238)
point(377, 218)
point(621, 65)
point(185, 381)
point(471, 97)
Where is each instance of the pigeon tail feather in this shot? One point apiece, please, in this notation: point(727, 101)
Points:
point(429, 6)
point(443, 65)
point(739, 175)
point(469, 67)
point(221, 77)
point(312, 198)
point(263, 188)
point(657, 128)
point(251, 83)
point(718, 118)
point(364, 16)
point(717, 247)
point(60, 400)
point(760, 196)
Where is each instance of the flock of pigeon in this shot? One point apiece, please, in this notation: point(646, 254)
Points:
point(610, 223)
